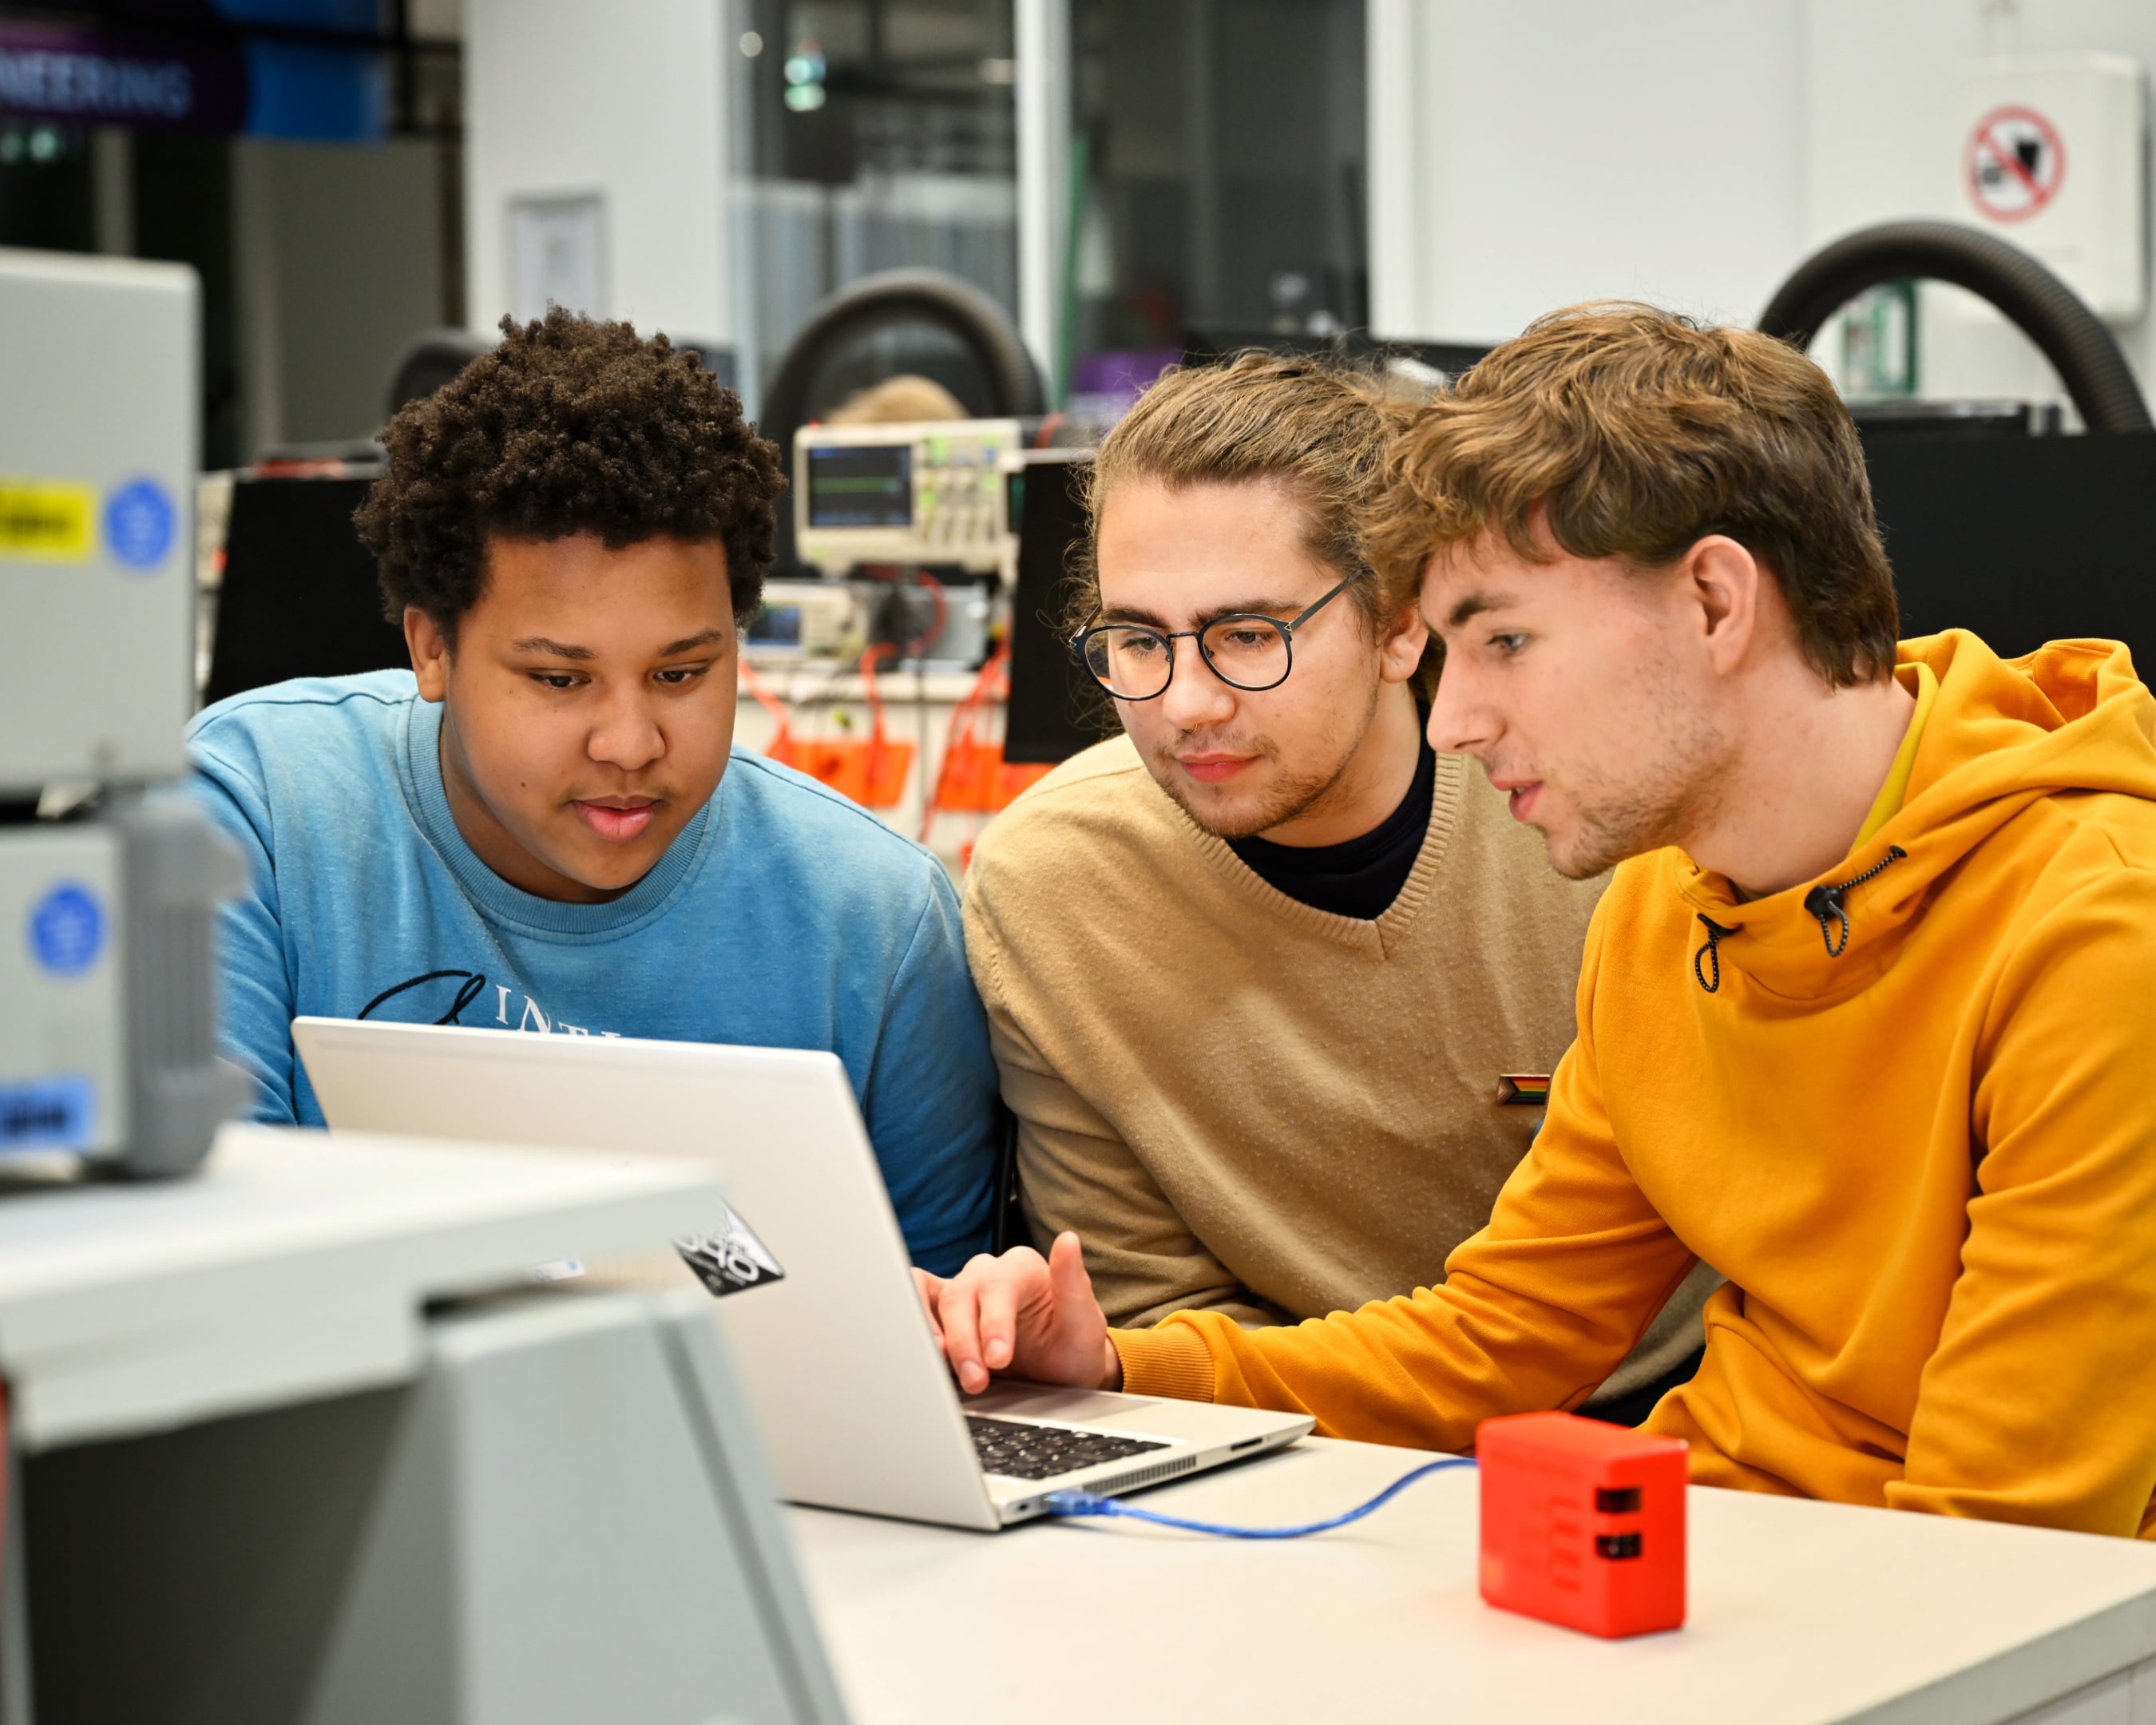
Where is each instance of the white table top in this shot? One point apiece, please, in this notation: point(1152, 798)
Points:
point(1800, 1612)
point(294, 1264)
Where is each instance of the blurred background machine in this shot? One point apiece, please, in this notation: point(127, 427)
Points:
point(297, 1442)
point(296, 594)
point(1997, 517)
point(879, 663)
point(917, 496)
point(284, 1441)
point(1055, 707)
point(107, 897)
point(912, 516)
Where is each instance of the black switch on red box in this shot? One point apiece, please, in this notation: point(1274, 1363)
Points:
point(1583, 1523)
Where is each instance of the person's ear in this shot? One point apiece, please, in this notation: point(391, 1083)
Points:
point(429, 648)
point(1401, 653)
point(1720, 582)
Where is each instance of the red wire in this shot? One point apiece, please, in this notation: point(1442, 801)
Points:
point(914, 648)
point(876, 710)
point(771, 704)
point(960, 729)
point(869, 658)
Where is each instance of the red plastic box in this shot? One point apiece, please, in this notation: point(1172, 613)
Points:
point(1583, 1523)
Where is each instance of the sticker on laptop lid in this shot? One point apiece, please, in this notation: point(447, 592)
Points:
point(731, 1259)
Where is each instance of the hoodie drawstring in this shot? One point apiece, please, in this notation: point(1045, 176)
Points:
point(1825, 902)
point(1711, 953)
point(1828, 903)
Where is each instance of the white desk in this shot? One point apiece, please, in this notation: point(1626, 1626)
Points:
point(1800, 1613)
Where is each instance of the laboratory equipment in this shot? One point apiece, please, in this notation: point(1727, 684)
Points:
point(922, 494)
point(1583, 1523)
point(106, 920)
point(303, 1441)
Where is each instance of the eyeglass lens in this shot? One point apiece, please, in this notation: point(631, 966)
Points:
point(1134, 663)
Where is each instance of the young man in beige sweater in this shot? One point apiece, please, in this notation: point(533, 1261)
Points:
point(1257, 971)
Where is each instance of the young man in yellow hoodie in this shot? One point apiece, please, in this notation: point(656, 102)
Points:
point(1865, 1016)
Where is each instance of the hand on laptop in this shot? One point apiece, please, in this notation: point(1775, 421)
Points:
point(1023, 1316)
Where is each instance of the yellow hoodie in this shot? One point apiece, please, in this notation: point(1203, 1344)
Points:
point(1922, 1147)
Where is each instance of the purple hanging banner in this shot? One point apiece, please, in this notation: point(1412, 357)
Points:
point(136, 79)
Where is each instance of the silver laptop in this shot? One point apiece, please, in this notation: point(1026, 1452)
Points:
point(859, 1410)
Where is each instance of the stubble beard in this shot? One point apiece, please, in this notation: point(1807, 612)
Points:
point(1609, 832)
point(1656, 810)
point(1292, 795)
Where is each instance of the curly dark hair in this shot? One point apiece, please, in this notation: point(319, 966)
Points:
point(570, 426)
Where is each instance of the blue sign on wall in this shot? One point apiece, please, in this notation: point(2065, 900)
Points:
point(210, 76)
point(85, 76)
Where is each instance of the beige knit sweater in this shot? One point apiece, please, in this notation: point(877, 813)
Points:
point(1247, 1104)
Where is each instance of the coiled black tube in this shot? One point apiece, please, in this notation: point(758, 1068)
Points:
point(2084, 352)
point(931, 296)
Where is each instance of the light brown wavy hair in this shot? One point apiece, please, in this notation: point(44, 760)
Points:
point(1632, 433)
point(1322, 428)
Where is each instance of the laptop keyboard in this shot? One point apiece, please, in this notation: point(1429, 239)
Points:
point(1019, 1450)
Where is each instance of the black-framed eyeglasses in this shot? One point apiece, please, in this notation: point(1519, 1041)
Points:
point(1245, 649)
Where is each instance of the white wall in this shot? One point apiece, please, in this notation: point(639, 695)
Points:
point(1874, 120)
point(338, 253)
point(1529, 155)
point(567, 97)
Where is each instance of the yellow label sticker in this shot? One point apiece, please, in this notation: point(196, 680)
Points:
point(47, 520)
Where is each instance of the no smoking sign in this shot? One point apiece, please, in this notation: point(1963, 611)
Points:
point(2015, 163)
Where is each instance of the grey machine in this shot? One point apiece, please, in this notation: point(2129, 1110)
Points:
point(563, 1514)
point(106, 919)
point(564, 1519)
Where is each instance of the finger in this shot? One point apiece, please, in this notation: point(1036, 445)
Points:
point(1067, 1278)
point(998, 1310)
point(961, 1334)
point(931, 1289)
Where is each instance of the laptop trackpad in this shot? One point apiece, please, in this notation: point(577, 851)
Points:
point(1042, 1401)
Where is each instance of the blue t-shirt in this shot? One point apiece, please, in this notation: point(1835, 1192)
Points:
point(782, 917)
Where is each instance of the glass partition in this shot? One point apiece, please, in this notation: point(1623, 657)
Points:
point(1218, 181)
point(879, 134)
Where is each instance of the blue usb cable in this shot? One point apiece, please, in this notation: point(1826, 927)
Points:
point(1092, 1503)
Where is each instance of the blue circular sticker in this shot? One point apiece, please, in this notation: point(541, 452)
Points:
point(139, 523)
point(67, 929)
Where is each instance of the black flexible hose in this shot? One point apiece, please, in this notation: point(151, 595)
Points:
point(903, 296)
point(2084, 352)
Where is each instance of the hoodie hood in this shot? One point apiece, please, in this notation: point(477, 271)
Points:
point(2003, 734)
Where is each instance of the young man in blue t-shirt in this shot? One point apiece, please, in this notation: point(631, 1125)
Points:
point(541, 826)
